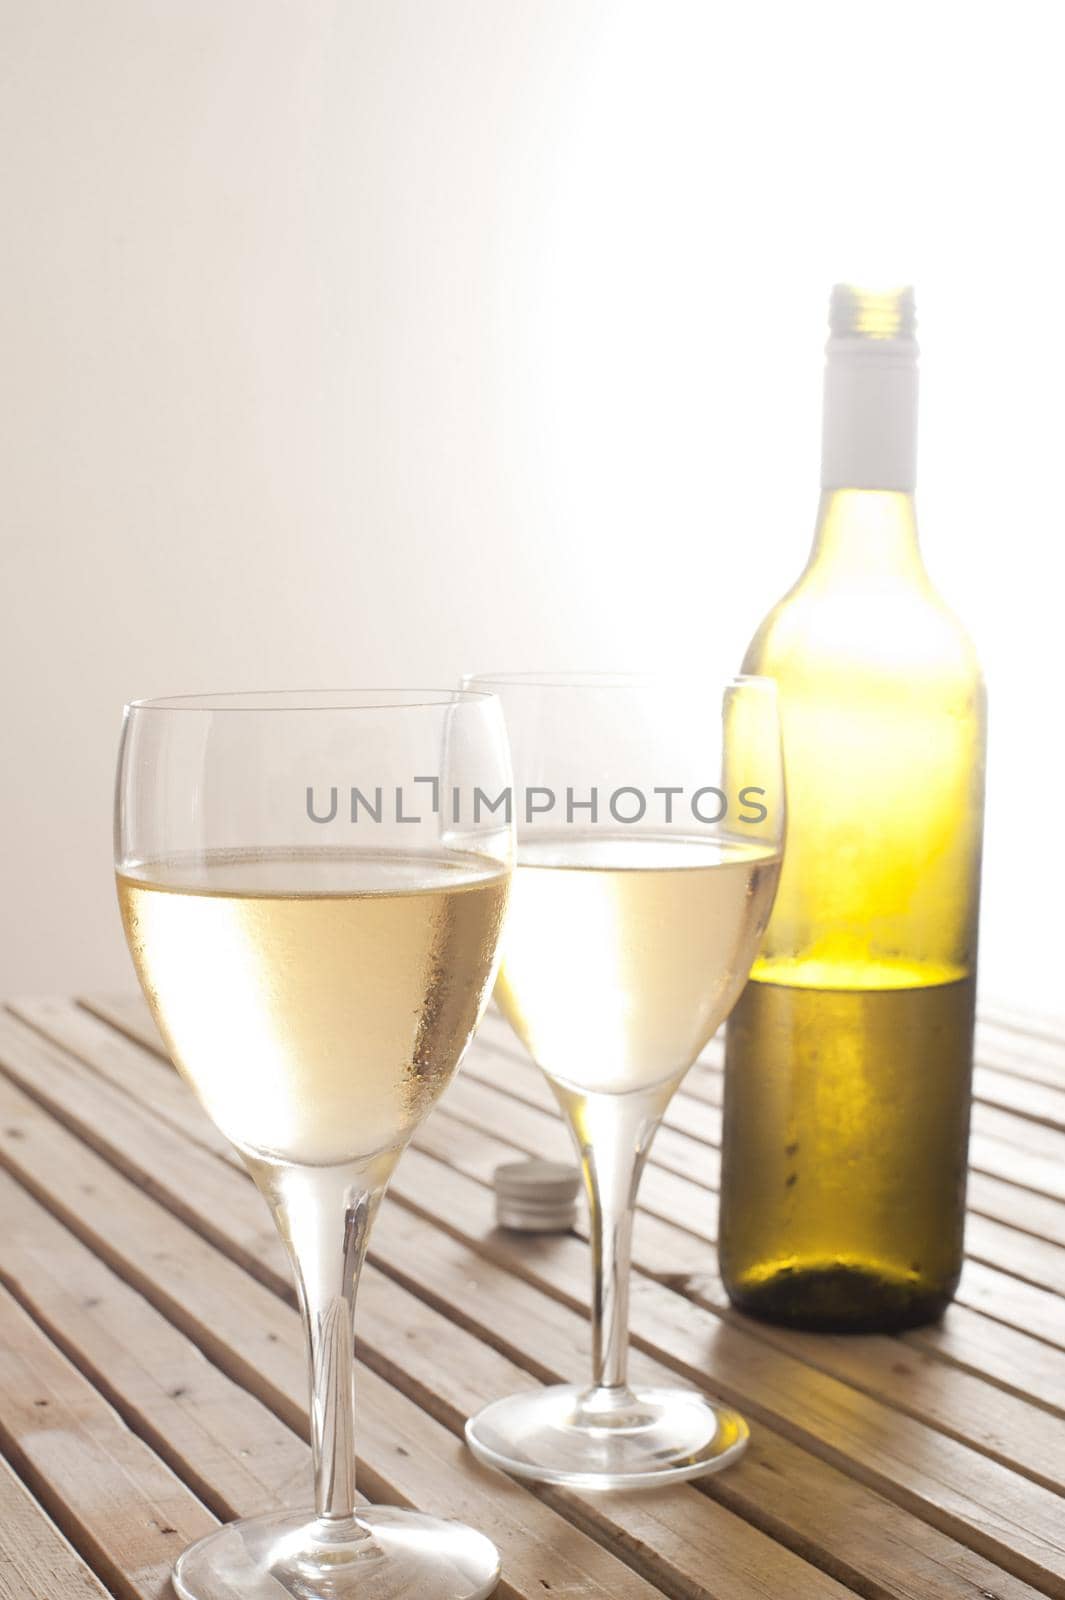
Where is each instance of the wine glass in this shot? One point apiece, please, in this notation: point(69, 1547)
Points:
point(313, 910)
point(650, 818)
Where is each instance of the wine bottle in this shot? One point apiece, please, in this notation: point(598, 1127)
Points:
point(849, 1055)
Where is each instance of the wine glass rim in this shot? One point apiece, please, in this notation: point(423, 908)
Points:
point(609, 680)
point(379, 699)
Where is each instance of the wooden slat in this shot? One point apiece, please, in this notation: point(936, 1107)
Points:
point(871, 1441)
point(125, 1064)
point(404, 1456)
point(667, 1254)
point(1035, 1102)
point(1041, 1174)
point(661, 1193)
point(1036, 1053)
point(898, 1554)
point(797, 1388)
point(660, 1249)
point(128, 1014)
point(1027, 1301)
point(234, 1453)
point(477, 1148)
point(1017, 1304)
point(1019, 1208)
point(690, 1116)
point(394, 1424)
point(880, 1375)
point(688, 1144)
point(1011, 1250)
point(1028, 1024)
point(984, 1286)
point(497, 1061)
point(1022, 1076)
point(687, 1205)
point(1028, 1134)
point(978, 1346)
point(477, 1099)
point(453, 1372)
point(147, 1034)
point(867, 1440)
point(121, 1508)
point(989, 1349)
point(777, 1485)
point(35, 1559)
point(1011, 1430)
point(1031, 1061)
point(1025, 1366)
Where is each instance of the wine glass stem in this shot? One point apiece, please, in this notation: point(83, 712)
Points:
point(611, 1255)
point(613, 1133)
point(324, 1215)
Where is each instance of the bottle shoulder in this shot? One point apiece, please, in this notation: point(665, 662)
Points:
point(864, 629)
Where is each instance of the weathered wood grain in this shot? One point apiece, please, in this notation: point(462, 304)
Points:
point(121, 1508)
point(829, 1427)
point(899, 1556)
point(661, 1250)
point(1002, 1245)
point(233, 1453)
point(916, 1467)
point(403, 1454)
point(36, 1561)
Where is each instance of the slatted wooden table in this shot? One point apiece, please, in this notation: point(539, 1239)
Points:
point(152, 1378)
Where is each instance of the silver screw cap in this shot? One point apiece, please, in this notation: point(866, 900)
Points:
point(536, 1196)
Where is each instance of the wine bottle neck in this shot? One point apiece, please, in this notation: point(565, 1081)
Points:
point(866, 535)
point(869, 439)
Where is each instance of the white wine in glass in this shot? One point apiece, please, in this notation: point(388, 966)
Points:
point(650, 819)
point(310, 999)
point(317, 973)
point(623, 952)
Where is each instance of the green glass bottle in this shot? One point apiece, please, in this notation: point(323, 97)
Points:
point(849, 1054)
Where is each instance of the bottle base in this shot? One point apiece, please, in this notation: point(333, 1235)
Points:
point(839, 1298)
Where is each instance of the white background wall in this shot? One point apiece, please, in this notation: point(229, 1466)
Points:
point(355, 342)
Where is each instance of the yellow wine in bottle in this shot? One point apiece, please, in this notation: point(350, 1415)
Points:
point(849, 1054)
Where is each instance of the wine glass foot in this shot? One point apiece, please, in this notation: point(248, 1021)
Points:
point(607, 1438)
point(386, 1554)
